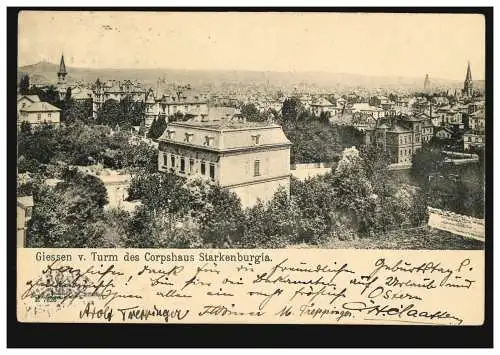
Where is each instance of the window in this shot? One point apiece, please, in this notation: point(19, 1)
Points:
point(202, 168)
point(188, 137)
point(172, 161)
point(29, 212)
point(209, 141)
point(39, 116)
point(191, 165)
point(171, 134)
point(183, 165)
point(49, 115)
point(165, 159)
point(24, 104)
point(256, 168)
point(255, 139)
point(212, 172)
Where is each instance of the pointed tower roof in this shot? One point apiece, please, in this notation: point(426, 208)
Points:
point(62, 66)
point(468, 77)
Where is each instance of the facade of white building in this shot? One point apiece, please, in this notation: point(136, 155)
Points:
point(251, 159)
point(40, 113)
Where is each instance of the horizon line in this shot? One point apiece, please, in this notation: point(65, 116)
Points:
point(250, 70)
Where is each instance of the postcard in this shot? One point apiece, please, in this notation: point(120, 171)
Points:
point(251, 168)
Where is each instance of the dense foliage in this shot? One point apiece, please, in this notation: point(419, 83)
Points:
point(318, 141)
point(459, 189)
point(69, 214)
point(81, 144)
point(125, 113)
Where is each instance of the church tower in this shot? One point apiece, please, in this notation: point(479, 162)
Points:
point(468, 88)
point(61, 74)
point(427, 83)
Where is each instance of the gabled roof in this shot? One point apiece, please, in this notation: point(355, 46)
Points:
point(32, 98)
point(40, 107)
point(322, 102)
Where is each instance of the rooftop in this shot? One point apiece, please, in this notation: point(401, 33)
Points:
point(25, 201)
point(223, 124)
point(40, 107)
point(32, 98)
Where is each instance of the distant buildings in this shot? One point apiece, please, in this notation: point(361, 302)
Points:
point(323, 106)
point(401, 136)
point(251, 159)
point(366, 109)
point(474, 140)
point(184, 101)
point(115, 90)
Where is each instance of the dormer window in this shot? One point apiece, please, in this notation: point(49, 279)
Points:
point(188, 138)
point(256, 139)
point(209, 141)
point(171, 134)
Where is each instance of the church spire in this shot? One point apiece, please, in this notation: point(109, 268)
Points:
point(468, 87)
point(61, 74)
point(468, 77)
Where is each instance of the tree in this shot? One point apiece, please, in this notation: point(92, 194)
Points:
point(217, 211)
point(157, 128)
point(354, 191)
point(271, 225)
point(376, 162)
point(24, 85)
point(68, 215)
point(250, 112)
point(316, 203)
point(374, 101)
point(67, 96)
point(426, 162)
point(37, 144)
point(291, 109)
point(159, 191)
point(161, 229)
point(110, 113)
point(73, 111)
point(48, 94)
point(93, 186)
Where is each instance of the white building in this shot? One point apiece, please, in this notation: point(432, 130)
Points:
point(251, 159)
point(40, 113)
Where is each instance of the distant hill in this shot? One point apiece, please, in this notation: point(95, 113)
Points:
point(45, 72)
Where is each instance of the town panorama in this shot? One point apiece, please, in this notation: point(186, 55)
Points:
point(107, 160)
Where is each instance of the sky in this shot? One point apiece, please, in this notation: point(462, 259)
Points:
point(409, 45)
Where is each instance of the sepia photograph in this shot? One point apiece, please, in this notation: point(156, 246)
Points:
point(290, 130)
point(252, 167)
